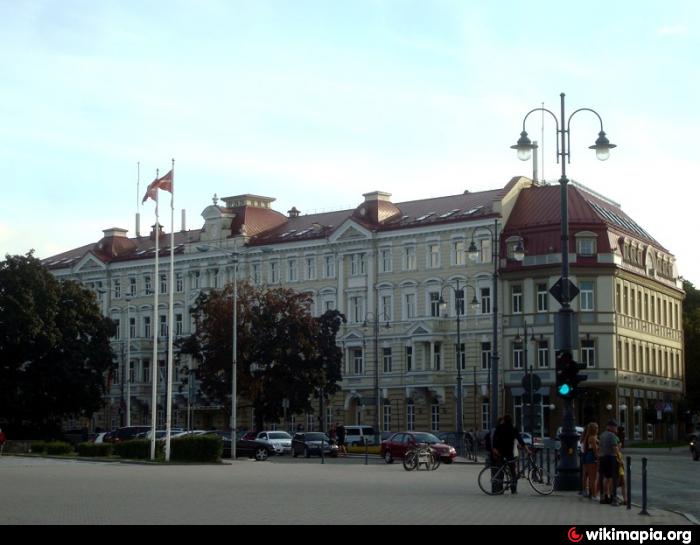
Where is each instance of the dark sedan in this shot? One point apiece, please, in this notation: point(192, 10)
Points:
point(245, 448)
point(308, 443)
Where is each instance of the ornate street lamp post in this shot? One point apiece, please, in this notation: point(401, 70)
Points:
point(568, 472)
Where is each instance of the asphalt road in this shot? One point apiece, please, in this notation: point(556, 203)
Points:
point(673, 479)
point(280, 491)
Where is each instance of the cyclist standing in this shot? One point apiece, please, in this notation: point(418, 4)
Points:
point(504, 438)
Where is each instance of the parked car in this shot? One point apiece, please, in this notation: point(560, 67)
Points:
point(308, 443)
point(99, 438)
point(125, 434)
point(281, 441)
point(245, 448)
point(358, 435)
point(396, 446)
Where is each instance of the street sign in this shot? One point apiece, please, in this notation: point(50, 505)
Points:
point(557, 290)
point(536, 382)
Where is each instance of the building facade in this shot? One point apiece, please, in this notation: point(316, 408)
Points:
point(400, 274)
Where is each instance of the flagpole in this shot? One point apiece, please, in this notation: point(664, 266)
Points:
point(154, 389)
point(169, 399)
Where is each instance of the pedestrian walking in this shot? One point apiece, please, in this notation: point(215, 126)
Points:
point(340, 432)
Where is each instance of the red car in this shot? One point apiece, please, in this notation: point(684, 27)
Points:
point(396, 446)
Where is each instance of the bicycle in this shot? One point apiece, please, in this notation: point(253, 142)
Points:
point(421, 454)
point(494, 480)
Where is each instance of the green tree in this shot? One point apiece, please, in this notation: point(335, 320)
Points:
point(283, 351)
point(54, 348)
point(691, 331)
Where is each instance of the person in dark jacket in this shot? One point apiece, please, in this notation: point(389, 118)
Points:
point(504, 438)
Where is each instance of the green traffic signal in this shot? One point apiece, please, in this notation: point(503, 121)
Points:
point(564, 390)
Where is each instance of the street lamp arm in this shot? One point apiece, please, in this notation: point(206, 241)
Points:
point(556, 121)
point(568, 122)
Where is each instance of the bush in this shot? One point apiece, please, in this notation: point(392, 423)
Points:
point(59, 448)
point(140, 449)
point(95, 450)
point(39, 447)
point(202, 448)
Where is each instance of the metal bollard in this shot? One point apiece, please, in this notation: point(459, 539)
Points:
point(628, 482)
point(323, 458)
point(644, 488)
point(366, 452)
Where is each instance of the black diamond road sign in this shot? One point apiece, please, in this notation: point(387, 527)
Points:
point(557, 290)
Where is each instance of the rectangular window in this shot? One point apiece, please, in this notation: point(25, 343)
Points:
point(358, 361)
point(117, 334)
point(132, 328)
point(433, 256)
point(385, 260)
point(147, 327)
point(117, 289)
point(411, 417)
point(147, 285)
point(163, 284)
point(459, 253)
point(542, 298)
point(517, 299)
point(386, 352)
point(311, 268)
point(328, 266)
point(292, 275)
point(163, 326)
point(543, 354)
point(486, 355)
point(486, 251)
point(588, 296)
point(357, 314)
point(409, 258)
point(329, 304)
point(410, 305)
point(256, 274)
point(586, 247)
point(437, 358)
point(409, 359)
point(459, 302)
point(386, 417)
point(195, 280)
point(588, 352)
point(385, 309)
point(461, 355)
point(146, 369)
point(517, 355)
point(179, 284)
point(485, 300)
point(132, 286)
point(435, 417)
point(358, 265)
point(178, 324)
point(485, 415)
point(435, 304)
point(132, 372)
point(274, 272)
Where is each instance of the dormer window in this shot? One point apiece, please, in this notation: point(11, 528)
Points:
point(586, 244)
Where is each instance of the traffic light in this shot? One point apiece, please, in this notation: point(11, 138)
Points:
point(568, 377)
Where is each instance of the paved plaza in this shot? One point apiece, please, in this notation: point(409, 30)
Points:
point(282, 491)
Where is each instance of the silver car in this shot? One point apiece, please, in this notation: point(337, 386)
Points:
point(281, 441)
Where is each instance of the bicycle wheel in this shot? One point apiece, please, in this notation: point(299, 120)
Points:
point(540, 480)
point(494, 480)
point(410, 461)
point(436, 461)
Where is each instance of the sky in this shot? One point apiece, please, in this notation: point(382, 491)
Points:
point(317, 102)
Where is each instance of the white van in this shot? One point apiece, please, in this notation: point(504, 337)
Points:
point(357, 435)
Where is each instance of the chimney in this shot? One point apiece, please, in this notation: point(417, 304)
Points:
point(377, 196)
point(293, 213)
point(184, 224)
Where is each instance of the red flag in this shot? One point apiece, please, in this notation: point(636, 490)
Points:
point(164, 182)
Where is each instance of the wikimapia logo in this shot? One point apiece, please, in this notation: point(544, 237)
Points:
point(637, 536)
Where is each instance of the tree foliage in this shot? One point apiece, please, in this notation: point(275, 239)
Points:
point(54, 348)
point(691, 331)
point(283, 351)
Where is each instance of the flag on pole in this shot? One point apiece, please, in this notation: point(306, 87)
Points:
point(164, 182)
